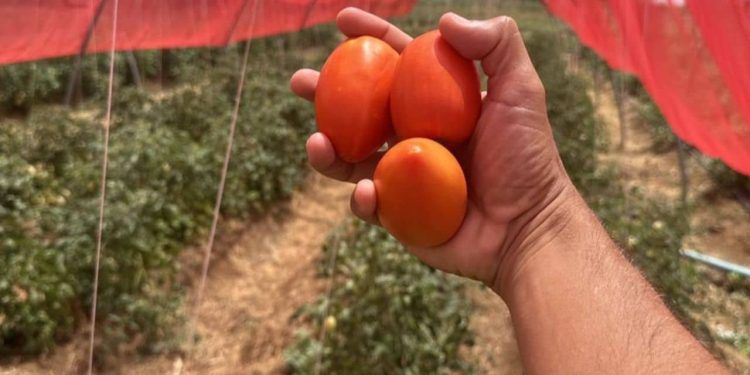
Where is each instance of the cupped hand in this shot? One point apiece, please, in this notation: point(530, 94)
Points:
point(518, 189)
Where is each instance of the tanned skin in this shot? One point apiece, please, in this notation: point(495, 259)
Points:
point(577, 305)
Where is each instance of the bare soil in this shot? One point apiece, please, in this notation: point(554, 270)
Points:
point(244, 322)
point(261, 273)
point(719, 226)
point(263, 270)
point(495, 350)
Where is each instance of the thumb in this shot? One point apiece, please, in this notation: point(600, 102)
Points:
point(498, 43)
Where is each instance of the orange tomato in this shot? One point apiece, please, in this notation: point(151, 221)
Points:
point(351, 100)
point(436, 92)
point(421, 192)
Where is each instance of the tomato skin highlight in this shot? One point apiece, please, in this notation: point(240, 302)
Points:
point(421, 192)
point(352, 96)
point(436, 92)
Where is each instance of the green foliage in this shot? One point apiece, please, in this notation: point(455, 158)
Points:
point(166, 151)
point(35, 289)
point(649, 116)
point(593, 62)
point(392, 314)
point(426, 14)
point(650, 231)
point(728, 181)
point(24, 84)
point(46, 81)
point(647, 113)
point(569, 108)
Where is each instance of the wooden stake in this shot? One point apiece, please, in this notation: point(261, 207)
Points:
point(684, 178)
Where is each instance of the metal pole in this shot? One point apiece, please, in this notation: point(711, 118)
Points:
point(716, 262)
point(75, 76)
point(684, 178)
point(619, 94)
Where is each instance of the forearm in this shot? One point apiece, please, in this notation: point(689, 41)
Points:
point(578, 306)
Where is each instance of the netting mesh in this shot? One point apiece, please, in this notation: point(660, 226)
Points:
point(692, 56)
point(32, 30)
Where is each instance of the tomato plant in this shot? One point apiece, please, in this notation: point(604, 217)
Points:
point(393, 314)
point(165, 152)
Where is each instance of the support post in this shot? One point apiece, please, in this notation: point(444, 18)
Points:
point(134, 71)
point(684, 178)
point(75, 76)
point(619, 94)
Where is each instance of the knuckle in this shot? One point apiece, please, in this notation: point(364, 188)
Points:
point(509, 25)
point(536, 87)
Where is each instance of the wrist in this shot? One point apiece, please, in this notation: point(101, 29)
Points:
point(576, 301)
point(558, 224)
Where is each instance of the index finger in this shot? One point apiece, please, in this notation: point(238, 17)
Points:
point(354, 22)
point(304, 82)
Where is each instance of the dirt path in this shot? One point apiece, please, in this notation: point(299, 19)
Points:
point(252, 293)
point(256, 283)
point(261, 273)
point(265, 270)
point(495, 350)
point(244, 323)
point(719, 225)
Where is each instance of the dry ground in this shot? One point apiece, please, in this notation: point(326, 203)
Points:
point(719, 226)
point(261, 273)
point(264, 270)
point(258, 279)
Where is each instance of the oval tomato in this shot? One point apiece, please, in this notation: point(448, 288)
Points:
point(421, 192)
point(351, 100)
point(436, 92)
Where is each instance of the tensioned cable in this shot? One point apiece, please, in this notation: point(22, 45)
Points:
point(334, 253)
point(224, 170)
point(103, 187)
point(222, 180)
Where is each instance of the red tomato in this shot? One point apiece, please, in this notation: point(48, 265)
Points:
point(436, 92)
point(351, 100)
point(421, 192)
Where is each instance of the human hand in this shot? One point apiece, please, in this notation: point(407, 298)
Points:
point(519, 193)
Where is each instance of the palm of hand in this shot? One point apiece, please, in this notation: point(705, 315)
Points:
point(512, 169)
point(511, 163)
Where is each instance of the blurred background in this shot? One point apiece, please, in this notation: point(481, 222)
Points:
point(296, 284)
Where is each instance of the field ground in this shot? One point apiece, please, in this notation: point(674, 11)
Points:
point(245, 322)
point(719, 226)
point(265, 269)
